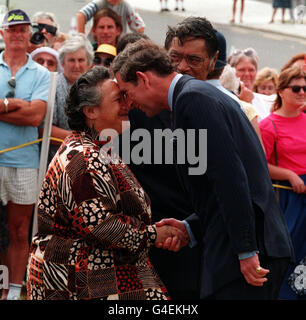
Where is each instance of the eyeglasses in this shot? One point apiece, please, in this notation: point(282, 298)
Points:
point(12, 84)
point(106, 62)
point(191, 60)
point(50, 29)
point(297, 89)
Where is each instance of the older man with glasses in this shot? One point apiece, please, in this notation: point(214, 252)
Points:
point(24, 87)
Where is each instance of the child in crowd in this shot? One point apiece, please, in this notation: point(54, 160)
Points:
point(128, 14)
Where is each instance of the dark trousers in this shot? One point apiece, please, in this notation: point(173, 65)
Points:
point(241, 290)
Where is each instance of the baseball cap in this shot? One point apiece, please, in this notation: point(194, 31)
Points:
point(15, 17)
point(107, 48)
point(221, 62)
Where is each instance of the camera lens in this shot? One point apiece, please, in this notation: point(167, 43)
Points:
point(37, 38)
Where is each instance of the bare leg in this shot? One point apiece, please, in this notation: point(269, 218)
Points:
point(16, 258)
point(283, 15)
point(182, 5)
point(241, 10)
point(234, 11)
point(273, 15)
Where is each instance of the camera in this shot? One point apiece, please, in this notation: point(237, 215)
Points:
point(37, 38)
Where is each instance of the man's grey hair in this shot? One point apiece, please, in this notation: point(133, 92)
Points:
point(75, 43)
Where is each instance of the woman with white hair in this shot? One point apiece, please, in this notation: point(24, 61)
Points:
point(76, 56)
point(245, 63)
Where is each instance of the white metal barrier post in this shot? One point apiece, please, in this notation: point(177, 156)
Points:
point(45, 142)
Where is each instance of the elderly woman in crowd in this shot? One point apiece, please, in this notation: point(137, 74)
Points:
point(94, 222)
point(246, 64)
point(284, 137)
point(76, 56)
point(48, 58)
point(266, 81)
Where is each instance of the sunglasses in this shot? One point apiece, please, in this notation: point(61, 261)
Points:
point(12, 84)
point(50, 29)
point(106, 62)
point(297, 89)
point(249, 52)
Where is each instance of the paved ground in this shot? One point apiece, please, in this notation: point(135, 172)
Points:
point(257, 14)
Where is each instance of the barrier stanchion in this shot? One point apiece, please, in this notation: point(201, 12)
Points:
point(45, 142)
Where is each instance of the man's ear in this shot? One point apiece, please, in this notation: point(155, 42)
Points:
point(91, 112)
point(213, 62)
point(143, 78)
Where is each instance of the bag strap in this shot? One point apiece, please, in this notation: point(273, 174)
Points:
point(276, 162)
point(275, 151)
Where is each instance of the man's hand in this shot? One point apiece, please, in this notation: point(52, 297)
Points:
point(252, 272)
point(179, 237)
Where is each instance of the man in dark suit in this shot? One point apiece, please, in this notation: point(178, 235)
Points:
point(246, 246)
point(180, 271)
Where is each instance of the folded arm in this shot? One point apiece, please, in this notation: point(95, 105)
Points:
point(25, 113)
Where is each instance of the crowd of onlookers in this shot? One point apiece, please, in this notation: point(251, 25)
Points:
point(274, 102)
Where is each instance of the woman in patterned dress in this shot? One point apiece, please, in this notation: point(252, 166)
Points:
point(94, 219)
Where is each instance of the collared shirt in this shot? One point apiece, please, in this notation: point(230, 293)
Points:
point(216, 83)
point(32, 83)
point(171, 89)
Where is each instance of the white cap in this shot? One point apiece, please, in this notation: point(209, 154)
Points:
point(51, 51)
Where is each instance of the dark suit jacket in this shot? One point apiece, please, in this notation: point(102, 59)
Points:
point(179, 271)
point(234, 199)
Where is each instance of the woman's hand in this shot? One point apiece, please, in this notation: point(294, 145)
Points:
point(297, 183)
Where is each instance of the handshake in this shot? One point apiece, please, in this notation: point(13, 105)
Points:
point(172, 234)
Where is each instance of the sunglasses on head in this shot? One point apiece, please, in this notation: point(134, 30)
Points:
point(12, 84)
point(249, 52)
point(106, 62)
point(50, 29)
point(297, 89)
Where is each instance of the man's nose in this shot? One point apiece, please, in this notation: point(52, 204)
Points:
point(182, 65)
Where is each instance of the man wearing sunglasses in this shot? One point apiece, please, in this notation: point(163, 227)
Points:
point(24, 87)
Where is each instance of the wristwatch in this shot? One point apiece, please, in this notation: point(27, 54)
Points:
point(6, 103)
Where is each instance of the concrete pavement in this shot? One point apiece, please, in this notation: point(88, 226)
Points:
point(256, 15)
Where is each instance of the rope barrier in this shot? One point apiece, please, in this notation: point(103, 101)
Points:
point(28, 144)
point(282, 187)
point(60, 140)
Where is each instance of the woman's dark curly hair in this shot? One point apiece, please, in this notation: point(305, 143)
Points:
point(84, 92)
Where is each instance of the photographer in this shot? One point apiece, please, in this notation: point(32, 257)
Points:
point(45, 32)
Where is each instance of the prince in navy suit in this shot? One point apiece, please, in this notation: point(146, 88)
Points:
point(246, 245)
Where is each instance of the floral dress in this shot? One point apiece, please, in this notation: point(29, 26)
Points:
point(94, 230)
